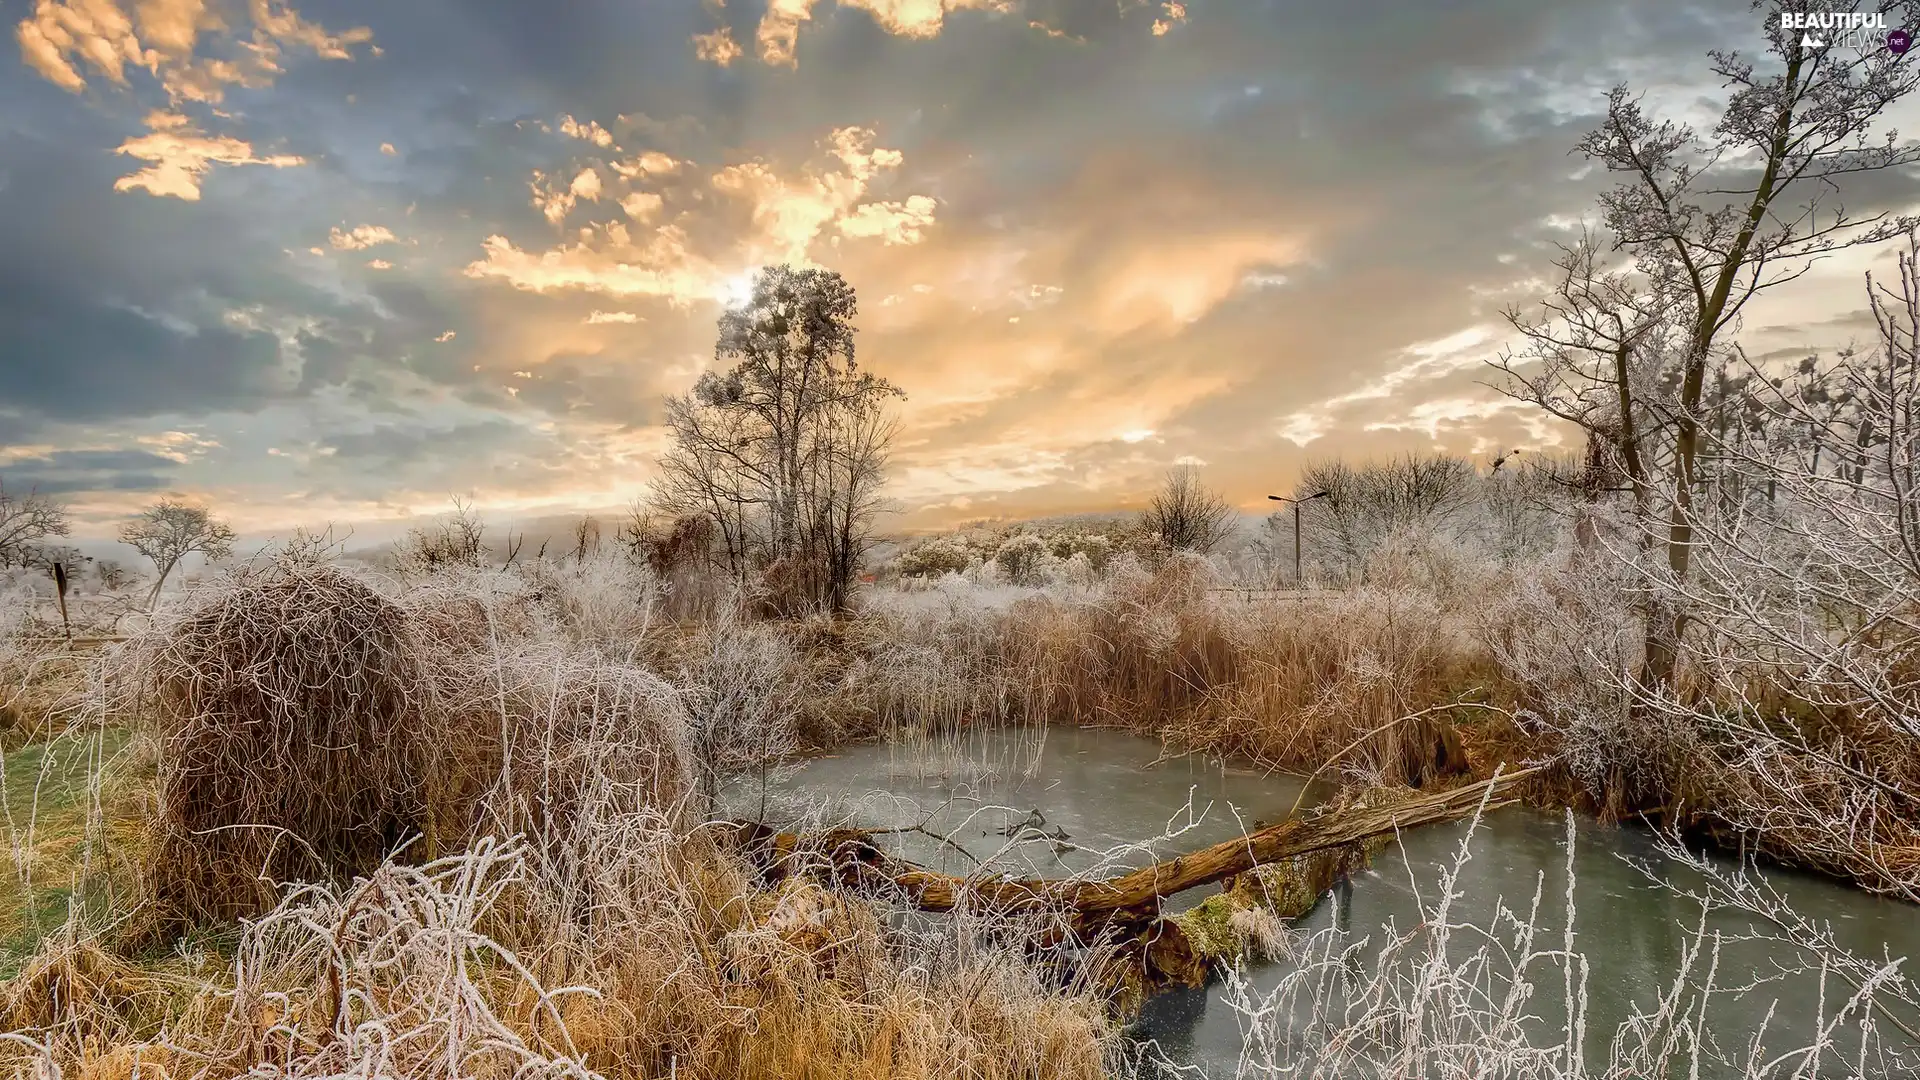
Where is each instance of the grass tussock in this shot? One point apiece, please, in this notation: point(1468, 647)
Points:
point(296, 719)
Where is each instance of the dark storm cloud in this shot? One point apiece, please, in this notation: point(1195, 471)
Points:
point(64, 472)
point(105, 301)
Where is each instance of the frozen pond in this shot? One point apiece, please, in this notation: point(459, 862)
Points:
point(1070, 800)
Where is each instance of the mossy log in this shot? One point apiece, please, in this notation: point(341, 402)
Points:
point(1124, 910)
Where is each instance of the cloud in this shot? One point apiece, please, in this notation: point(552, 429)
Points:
point(179, 446)
point(641, 205)
point(1175, 280)
point(787, 213)
point(599, 317)
point(63, 37)
point(179, 157)
point(779, 29)
point(72, 472)
point(1425, 363)
point(790, 212)
point(1172, 13)
point(649, 163)
point(662, 267)
point(555, 201)
point(360, 237)
point(1055, 32)
point(893, 222)
point(379, 264)
point(57, 35)
point(387, 149)
point(920, 18)
point(589, 131)
point(778, 34)
point(717, 47)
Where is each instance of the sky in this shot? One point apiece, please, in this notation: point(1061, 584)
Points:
point(341, 261)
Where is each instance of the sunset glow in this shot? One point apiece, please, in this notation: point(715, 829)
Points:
point(368, 256)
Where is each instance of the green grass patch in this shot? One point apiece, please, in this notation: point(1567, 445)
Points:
point(54, 849)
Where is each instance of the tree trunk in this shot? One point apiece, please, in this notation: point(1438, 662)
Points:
point(1124, 911)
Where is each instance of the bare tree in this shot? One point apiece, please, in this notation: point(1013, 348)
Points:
point(783, 453)
point(455, 540)
point(1806, 601)
point(113, 574)
point(1368, 503)
point(848, 471)
point(1708, 220)
point(25, 520)
point(586, 538)
point(1186, 514)
point(170, 530)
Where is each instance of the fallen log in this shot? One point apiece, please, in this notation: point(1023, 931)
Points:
point(1121, 909)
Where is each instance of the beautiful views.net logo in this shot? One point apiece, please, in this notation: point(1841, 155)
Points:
point(1863, 30)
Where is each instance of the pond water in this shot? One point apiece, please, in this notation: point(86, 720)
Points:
point(1064, 800)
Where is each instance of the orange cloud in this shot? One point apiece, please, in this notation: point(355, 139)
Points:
point(589, 131)
point(360, 237)
point(717, 47)
point(179, 157)
point(893, 222)
point(789, 213)
point(63, 37)
point(779, 30)
point(97, 32)
point(617, 266)
point(1172, 14)
point(1178, 279)
point(649, 163)
point(278, 21)
point(555, 202)
point(641, 205)
point(778, 34)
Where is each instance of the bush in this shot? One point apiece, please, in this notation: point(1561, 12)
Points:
point(1021, 558)
point(296, 718)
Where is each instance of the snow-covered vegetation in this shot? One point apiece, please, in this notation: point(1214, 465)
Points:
point(301, 817)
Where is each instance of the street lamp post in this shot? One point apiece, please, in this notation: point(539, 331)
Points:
point(1296, 526)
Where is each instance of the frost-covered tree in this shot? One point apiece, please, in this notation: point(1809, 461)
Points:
point(1186, 514)
point(25, 520)
point(1703, 222)
point(170, 530)
point(1022, 557)
point(785, 450)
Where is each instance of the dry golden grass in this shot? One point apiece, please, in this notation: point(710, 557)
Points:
point(611, 937)
point(1291, 683)
point(295, 716)
point(1430, 668)
point(608, 937)
point(483, 964)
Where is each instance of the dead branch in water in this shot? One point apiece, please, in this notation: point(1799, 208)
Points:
point(1126, 908)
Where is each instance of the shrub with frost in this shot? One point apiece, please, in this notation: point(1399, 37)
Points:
point(1020, 557)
